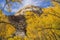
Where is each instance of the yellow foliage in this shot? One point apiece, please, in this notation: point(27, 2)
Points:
point(6, 29)
point(36, 25)
point(50, 18)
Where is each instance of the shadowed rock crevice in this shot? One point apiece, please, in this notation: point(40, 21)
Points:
point(20, 24)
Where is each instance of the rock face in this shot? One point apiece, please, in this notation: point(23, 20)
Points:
point(20, 24)
point(32, 8)
point(20, 21)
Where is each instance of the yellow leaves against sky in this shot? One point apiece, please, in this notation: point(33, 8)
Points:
point(36, 24)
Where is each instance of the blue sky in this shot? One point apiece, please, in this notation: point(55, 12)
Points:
point(17, 6)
